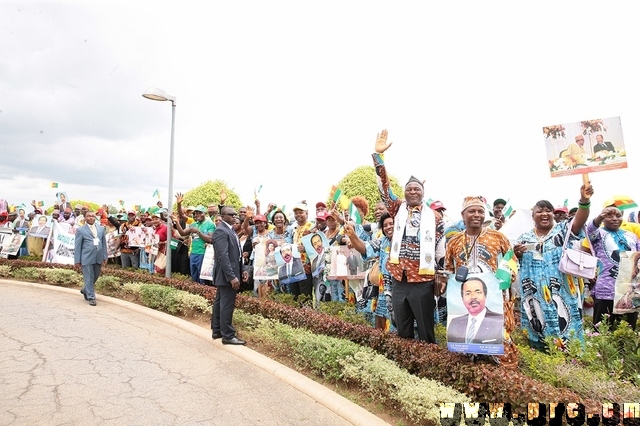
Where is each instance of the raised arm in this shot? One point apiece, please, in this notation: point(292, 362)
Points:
point(586, 191)
point(391, 201)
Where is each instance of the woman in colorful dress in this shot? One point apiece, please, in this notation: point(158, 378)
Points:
point(608, 241)
point(551, 300)
point(378, 249)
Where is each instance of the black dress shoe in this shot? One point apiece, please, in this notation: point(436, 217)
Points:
point(92, 302)
point(84, 294)
point(233, 341)
point(216, 336)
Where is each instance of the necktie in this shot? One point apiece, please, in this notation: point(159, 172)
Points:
point(93, 231)
point(288, 269)
point(472, 331)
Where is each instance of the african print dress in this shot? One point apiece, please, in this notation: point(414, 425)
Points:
point(551, 301)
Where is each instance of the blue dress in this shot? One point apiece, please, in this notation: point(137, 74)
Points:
point(551, 301)
point(380, 248)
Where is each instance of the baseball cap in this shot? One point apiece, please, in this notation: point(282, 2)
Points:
point(437, 205)
point(300, 206)
point(561, 209)
point(131, 212)
point(321, 204)
point(200, 208)
point(260, 217)
point(322, 216)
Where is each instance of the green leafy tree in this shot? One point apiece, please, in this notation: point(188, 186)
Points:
point(363, 181)
point(209, 193)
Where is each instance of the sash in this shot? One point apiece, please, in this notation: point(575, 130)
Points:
point(426, 238)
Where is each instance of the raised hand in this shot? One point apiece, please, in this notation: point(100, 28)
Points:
point(586, 191)
point(381, 142)
point(223, 197)
point(179, 197)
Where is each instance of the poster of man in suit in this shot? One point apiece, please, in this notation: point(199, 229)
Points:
point(475, 322)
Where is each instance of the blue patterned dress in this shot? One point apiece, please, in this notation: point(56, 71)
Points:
point(551, 301)
point(380, 248)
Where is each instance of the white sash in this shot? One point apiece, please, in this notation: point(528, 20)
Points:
point(426, 237)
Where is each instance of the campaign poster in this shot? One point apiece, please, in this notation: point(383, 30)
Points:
point(346, 264)
point(136, 236)
point(10, 243)
point(475, 320)
point(264, 260)
point(113, 243)
point(585, 146)
point(315, 246)
point(206, 271)
point(60, 248)
point(41, 227)
point(627, 291)
point(289, 263)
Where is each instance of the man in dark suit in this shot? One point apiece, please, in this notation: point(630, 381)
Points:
point(227, 272)
point(601, 145)
point(90, 253)
point(480, 325)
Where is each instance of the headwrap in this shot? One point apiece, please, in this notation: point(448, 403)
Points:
point(472, 201)
point(416, 180)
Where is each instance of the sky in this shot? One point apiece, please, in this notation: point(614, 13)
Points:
point(290, 96)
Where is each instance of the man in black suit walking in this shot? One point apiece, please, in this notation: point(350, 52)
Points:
point(481, 325)
point(227, 272)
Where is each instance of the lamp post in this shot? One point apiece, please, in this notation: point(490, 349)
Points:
point(156, 94)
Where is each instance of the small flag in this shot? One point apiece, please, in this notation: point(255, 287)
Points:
point(337, 193)
point(255, 193)
point(507, 210)
point(566, 203)
point(156, 193)
point(40, 203)
point(430, 201)
point(54, 184)
point(506, 267)
point(121, 202)
point(137, 207)
point(354, 214)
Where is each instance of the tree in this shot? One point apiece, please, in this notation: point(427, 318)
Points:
point(363, 181)
point(209, 193)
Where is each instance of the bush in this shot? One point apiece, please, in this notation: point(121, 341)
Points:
point(5, 271)
point(108, 283)
point(28, 274)
point(419, 399)
point(62, 276)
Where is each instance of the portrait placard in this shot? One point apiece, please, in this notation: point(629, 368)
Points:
point(585, 147)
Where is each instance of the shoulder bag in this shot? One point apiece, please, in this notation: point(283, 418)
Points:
point(577, 262)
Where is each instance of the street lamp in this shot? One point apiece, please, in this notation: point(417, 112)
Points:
point(156, 94)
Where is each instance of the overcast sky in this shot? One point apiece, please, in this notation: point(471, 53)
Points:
point(291, 97)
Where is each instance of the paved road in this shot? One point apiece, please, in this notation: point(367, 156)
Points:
point(63, 362)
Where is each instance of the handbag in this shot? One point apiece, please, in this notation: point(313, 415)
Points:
point(161, 261)
point(577, 262)
point(371, 290)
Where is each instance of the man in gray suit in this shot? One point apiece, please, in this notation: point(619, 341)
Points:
point(91, 254)
point(227, 271)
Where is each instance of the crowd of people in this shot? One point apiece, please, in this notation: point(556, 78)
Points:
point(412, 250)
